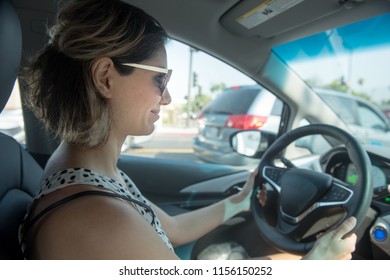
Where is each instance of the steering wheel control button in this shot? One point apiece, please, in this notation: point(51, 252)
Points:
point(336, 194)
point(273, 174)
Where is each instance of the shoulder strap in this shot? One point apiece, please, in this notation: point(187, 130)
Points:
point(30, 223)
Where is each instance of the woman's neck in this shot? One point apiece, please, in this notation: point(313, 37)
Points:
point(102, 159)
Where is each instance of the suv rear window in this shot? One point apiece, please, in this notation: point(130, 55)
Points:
point(232, 101)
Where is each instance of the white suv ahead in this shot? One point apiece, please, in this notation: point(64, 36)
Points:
point(367, 122)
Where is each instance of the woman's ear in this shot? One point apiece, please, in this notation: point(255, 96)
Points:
point(101, 75)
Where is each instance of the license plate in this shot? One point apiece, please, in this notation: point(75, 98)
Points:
point(211, 132)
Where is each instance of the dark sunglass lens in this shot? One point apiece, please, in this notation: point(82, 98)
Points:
point(163, 84)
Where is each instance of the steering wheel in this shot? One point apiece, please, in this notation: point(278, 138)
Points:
point(301, 203)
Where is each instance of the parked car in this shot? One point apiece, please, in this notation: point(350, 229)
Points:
point(236, 108)
point(386, 110)
point(264, 45)
point(366, 121)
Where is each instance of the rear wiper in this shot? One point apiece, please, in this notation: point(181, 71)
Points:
point(222, 113)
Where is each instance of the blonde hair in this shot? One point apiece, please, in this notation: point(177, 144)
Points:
point(62, 93)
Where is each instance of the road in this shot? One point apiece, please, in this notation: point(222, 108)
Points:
point(169, 144)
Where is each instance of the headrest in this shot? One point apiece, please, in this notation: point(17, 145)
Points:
point(10, 49)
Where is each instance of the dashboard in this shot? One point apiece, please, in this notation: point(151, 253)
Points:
point(337, 163)
point(379, 175)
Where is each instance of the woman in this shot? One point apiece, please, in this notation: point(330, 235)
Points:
point(102, 77)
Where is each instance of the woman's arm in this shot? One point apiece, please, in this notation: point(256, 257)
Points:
point(191, 226)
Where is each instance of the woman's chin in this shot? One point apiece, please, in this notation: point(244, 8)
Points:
point(150, 130)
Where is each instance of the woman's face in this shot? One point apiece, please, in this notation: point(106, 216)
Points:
point(137, 99)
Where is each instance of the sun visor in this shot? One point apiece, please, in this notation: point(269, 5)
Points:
point(270, 18)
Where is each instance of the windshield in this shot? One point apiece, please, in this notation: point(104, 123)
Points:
point(353, 59)
point(348, 68)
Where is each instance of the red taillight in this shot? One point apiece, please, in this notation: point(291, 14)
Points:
point(245, 122)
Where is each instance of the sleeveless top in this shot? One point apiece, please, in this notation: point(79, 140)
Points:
point(77, 176)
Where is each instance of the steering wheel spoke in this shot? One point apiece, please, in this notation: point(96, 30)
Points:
point(273, 175)
point(339, 194)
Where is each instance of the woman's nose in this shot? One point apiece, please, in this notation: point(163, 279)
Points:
point(166, 97)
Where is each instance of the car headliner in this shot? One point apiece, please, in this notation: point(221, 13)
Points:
point(206, 24)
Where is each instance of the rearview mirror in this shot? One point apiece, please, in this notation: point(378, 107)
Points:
point(251, 143)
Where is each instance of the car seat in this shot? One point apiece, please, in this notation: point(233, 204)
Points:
point(19, 172)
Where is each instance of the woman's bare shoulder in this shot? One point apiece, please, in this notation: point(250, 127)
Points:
point(96, 227)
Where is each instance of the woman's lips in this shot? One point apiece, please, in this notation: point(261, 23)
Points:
point(156, 112)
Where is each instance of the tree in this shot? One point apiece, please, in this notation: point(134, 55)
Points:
point(202, 98)
point(217, 87)
point(340, 85)
point(200, 101)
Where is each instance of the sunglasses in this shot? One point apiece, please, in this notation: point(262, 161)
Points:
point(165, 79)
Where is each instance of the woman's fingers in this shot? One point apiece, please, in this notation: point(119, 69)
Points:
point(346, 227)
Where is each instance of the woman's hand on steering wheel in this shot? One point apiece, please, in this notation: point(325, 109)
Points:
point(334, 245)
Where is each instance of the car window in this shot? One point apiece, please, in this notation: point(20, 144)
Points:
point(11, 118)
point(277, 108)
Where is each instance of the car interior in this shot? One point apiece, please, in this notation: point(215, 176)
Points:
point(235, 32)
